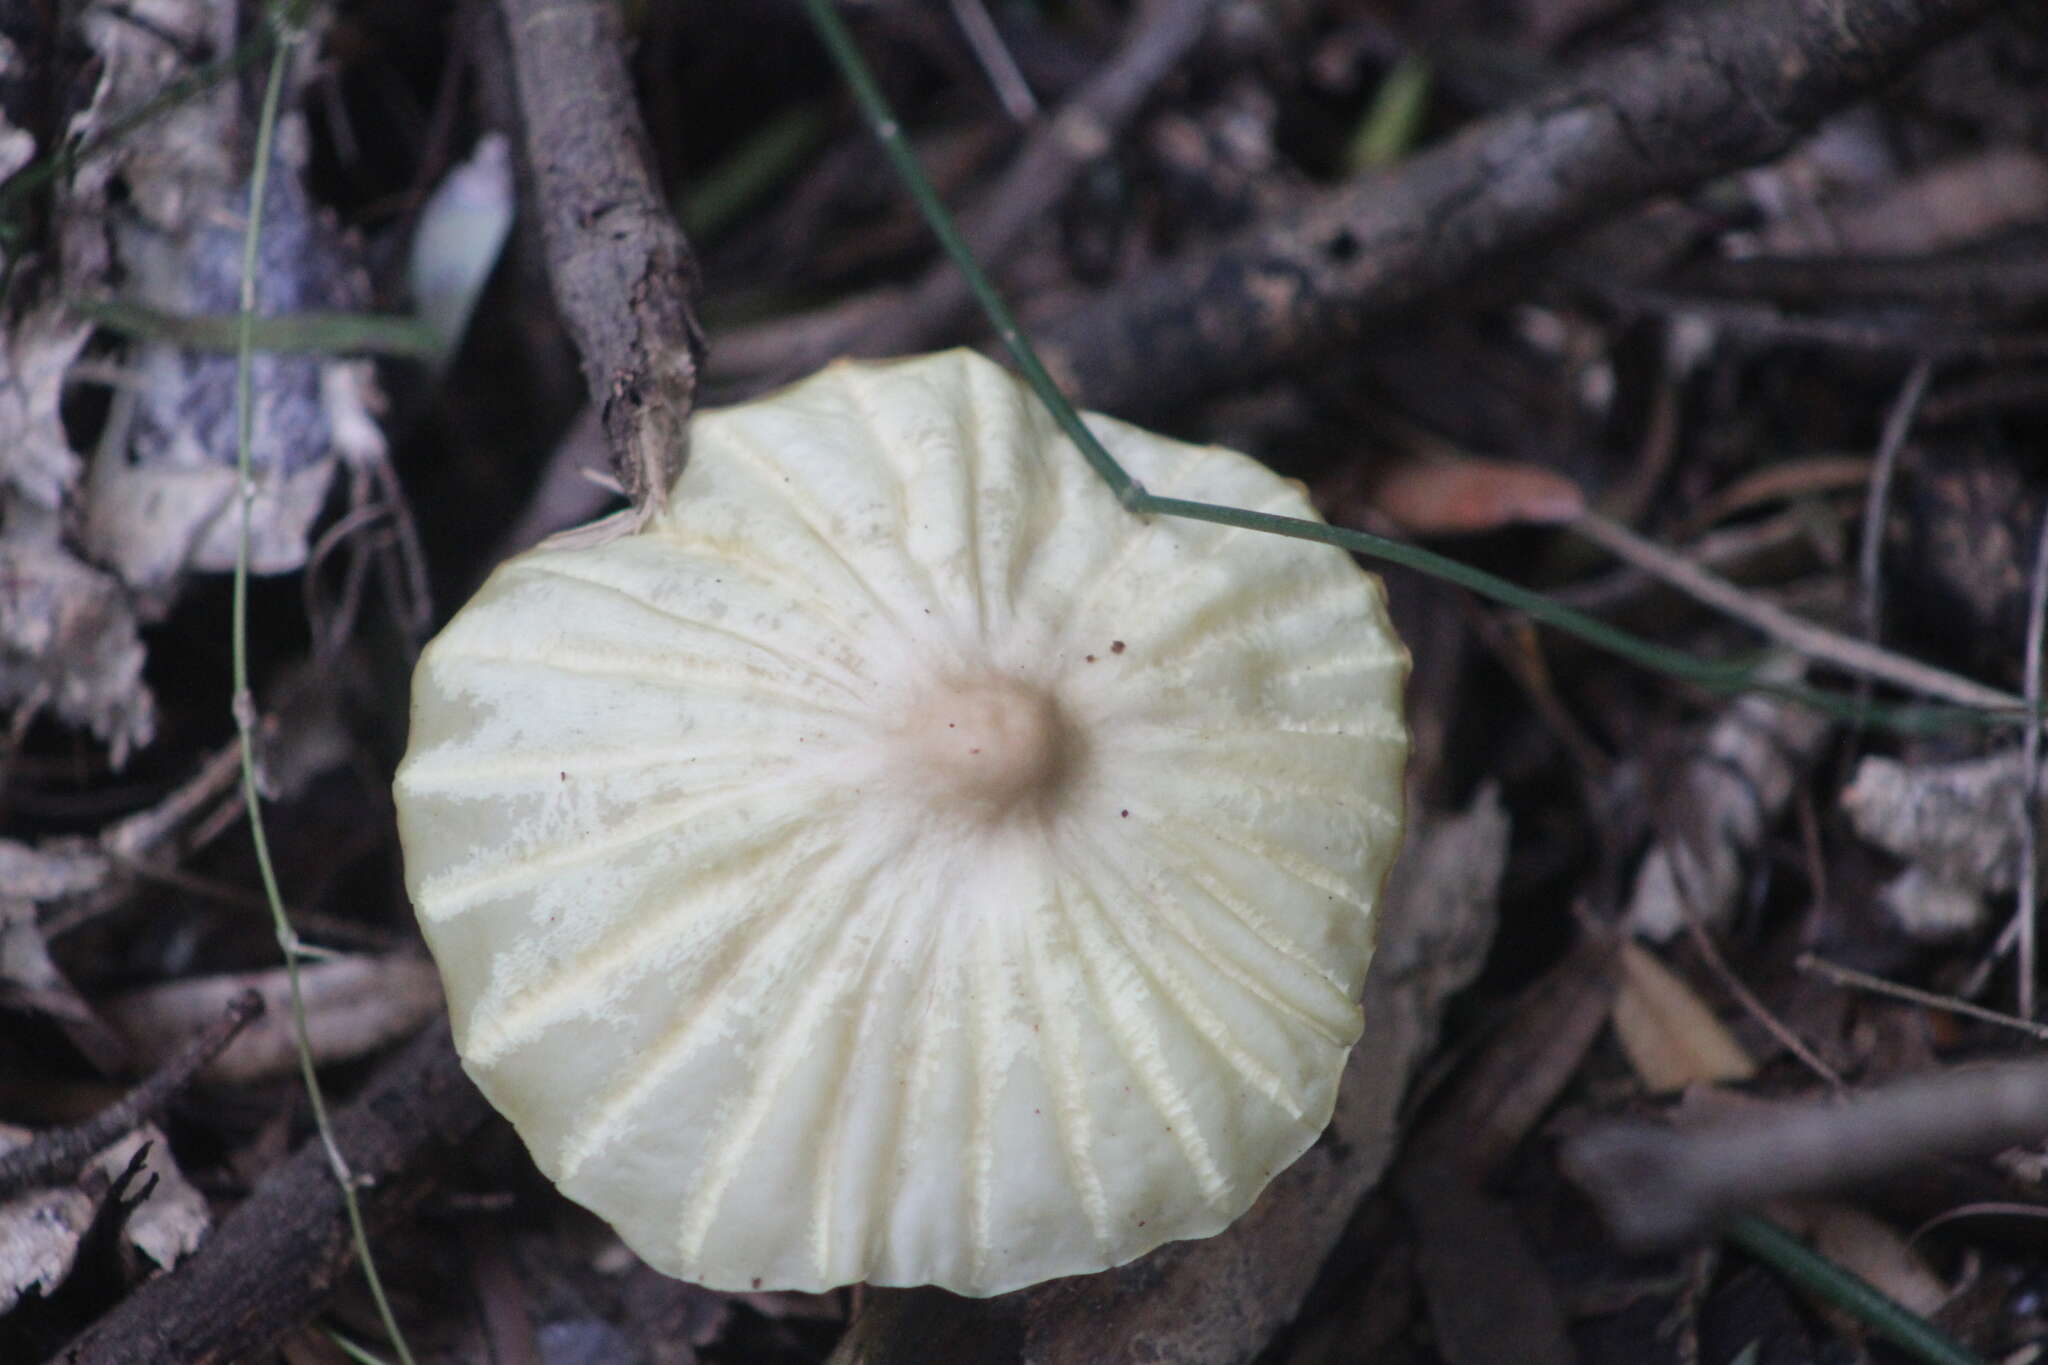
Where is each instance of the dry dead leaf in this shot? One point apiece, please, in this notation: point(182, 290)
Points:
point(1439, 493)
point(40, 1231)
point(1440, 908)
point(1672, 1039)
point(1465, 1238)
point(1931, 909)
point(36, 460)
point(1719, 806)
point(1959, 821)
point(169, 1224)
point(160, 211)
point(68, 642)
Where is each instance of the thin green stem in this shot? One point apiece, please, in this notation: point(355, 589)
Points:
point(361, 1355)
point(1792, 1258)
point(1712, 675)
point(309, 333)
point(244, 705)
point(874, 105)
point(1388, 130)
point(1675, 663)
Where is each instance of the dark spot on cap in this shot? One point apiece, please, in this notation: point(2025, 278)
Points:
point(1116, 646)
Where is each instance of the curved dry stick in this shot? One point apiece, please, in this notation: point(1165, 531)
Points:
point(1845, 652)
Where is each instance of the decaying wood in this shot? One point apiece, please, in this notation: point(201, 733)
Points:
point(1717, 88)
point(623, 273)
point(272, 1262)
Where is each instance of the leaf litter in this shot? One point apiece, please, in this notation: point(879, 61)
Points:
point(1776, 831)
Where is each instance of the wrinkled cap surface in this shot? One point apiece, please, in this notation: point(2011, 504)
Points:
point(900, 863)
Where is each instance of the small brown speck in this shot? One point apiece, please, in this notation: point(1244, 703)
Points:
point(1091, 658)
point(1116, 646)
point(757, 1278)
point(1125, 814)
point(565, 777)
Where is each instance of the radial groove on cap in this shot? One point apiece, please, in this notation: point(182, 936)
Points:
point(766, 962)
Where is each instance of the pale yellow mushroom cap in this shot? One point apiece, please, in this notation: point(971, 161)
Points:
point(899, 863)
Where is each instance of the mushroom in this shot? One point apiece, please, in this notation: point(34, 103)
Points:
point(896, 861)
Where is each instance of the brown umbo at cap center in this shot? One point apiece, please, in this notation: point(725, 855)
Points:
point(990, 742)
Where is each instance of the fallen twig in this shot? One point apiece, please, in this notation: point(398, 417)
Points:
point(1877, 985)
point(1658, 1186)
point(59, 1153)
point(893, 321)
point(1815, 642)
point(1719, 87)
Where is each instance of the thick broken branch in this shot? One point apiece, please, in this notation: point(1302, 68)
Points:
point(1715, 90)
point(623, 273)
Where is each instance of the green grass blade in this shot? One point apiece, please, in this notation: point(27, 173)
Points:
point(1792, 1258)
point(244, 705)
point(311, 333)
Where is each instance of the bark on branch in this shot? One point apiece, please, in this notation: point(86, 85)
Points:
point(1713, 90)
point(624, 275)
